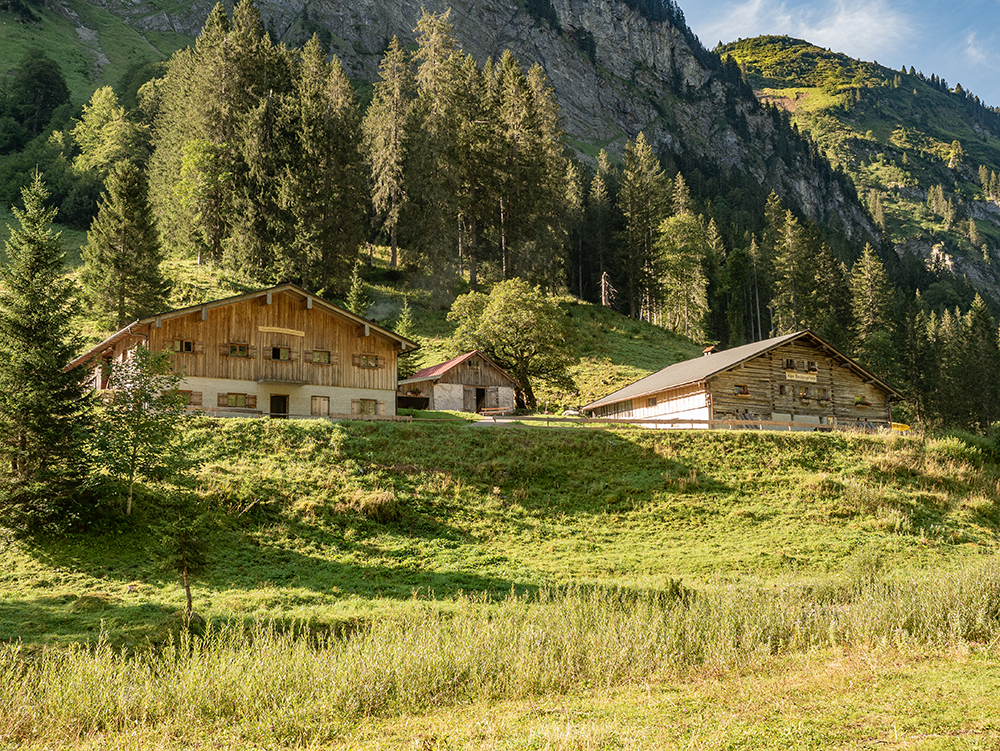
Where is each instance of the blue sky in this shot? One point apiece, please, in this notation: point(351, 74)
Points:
point(959, 41)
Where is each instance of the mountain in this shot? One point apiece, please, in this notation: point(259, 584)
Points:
point(618, 67)
point(924, 156)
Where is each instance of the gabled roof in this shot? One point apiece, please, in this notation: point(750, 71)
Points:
point(436, 371)
point(311, 299)
point(700, 368)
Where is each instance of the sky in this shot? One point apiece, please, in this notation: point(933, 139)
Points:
point(959, 40)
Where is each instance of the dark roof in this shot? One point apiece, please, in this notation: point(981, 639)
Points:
point(287, 287)
point(436, 371)
point(700, 368)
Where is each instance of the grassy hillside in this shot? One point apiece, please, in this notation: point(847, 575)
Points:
point(443, 586)
point(894, 134)
point(308, 520)
point(93, 47)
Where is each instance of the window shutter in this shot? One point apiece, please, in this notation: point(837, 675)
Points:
point(355, 405)
point(380, 410)
point(251, 401)
point(223, 350)
point(293, 356)
point(195, 398)
point(307, 356)
point(223, 400)
point(199, 348)
point(380, 361)
point(356, 360)
point(252, 350)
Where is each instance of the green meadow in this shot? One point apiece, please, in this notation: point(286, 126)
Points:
point(444, 585)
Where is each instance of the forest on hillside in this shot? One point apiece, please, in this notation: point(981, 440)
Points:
point(264, 163)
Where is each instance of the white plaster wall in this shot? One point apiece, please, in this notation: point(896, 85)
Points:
point(299, 397)
point(449, 396)
point(700, 413)
point(506, 396)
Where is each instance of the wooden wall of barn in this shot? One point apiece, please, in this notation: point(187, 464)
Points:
point(264, 330)
point(483, 376)
point(817, 384)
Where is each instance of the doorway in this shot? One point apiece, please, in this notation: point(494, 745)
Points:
point(279, 406)
point(480, 399)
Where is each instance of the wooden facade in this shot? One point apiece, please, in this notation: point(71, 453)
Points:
point(798, 378)
point(280, 351)
point(468, 383)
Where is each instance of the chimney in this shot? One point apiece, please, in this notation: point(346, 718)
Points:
point(710, 350)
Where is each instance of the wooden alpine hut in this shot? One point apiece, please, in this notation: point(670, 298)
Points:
point(795, 378)
point(468, 383)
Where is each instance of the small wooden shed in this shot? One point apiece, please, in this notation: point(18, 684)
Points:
point(792, 378)
point(468, 383)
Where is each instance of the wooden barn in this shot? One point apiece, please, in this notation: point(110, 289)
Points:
point(280, 352)
point(468, 383)
point(793, 378)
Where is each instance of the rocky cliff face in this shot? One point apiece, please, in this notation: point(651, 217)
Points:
point(637, 75)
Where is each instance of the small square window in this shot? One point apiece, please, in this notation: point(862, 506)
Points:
point(651, 401)
point(281, 353)
point(239, 350)
point(741, 389)
point(369, 407)
point(183, 397)
point(823, 394)
point(789, 364)
point(237, 400)
point(812, 366)
point(803, 392)
point(368, 361)
point(781, 389)
point(861, 401)
point(321, 357)
point(473, 363)
point(183, 345)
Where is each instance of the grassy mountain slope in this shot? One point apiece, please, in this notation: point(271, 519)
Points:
point(895, 135)
point(308, 520)
point(93, 47)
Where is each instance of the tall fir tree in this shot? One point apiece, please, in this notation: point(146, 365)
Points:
point(43, 414)
point(121, 274)
point(386, 133)
point(872, 303)
point(643, 203)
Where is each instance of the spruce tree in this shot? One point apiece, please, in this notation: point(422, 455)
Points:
point(386, 132)
point(121, 273)
point(872, 305)
point(643, 202)
point(42, 410)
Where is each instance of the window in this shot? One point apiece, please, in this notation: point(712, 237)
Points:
point(781, 389)
point(367, 361)
point(651, 401)
point(369, 406)
point(789, 364)
point(803, 392)
point(183, 345)
point(321, 405)
point(321, 357)
point(861, 401)
point(740, 389)
point(823, 394)
point(183, 397)
point(281, 353)
point(239, 350)
point(473, 363)
point(237, 400)
point(811, 366)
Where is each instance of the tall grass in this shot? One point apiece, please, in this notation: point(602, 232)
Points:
point(271, 686)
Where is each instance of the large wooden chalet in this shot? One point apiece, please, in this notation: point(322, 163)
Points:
point(280, 351)
point(795, 378)
point(468, 383)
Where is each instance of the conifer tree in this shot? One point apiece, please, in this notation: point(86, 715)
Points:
point(121, 273)
point(684, 246)
point(872, 306)
point(601, 214)
point(42, 411)
point(642, 200)
point(321, 185)
point(106, 136)
point(386, 132)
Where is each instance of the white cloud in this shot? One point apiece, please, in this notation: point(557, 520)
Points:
point(864, 29)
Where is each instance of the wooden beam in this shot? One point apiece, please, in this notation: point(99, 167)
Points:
point(269, 297)
point(309, 303)
point(366, 331)
point(204, 313)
